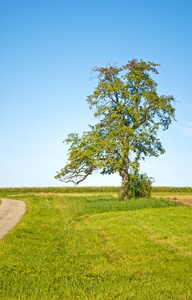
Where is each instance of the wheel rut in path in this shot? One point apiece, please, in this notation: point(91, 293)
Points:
point(11, 212)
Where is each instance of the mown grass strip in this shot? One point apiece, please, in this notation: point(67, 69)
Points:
point(98, 248)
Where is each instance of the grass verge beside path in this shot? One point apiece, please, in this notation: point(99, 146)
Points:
point(97, 247)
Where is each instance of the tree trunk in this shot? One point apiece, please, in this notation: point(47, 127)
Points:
point(125, 178)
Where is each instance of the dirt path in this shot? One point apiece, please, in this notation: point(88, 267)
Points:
point(11, 212)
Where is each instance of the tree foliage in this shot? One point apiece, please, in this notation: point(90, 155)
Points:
point(129, 113)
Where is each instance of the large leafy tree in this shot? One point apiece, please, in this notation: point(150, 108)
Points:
point(129, 113)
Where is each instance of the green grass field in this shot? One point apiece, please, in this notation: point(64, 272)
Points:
point(90, 245)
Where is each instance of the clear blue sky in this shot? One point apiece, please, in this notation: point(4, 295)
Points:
point(48, 49)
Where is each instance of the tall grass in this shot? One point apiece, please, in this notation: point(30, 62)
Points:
point(88, 189)
point(174, 190)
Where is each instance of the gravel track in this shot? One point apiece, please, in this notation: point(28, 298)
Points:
point(11, 212)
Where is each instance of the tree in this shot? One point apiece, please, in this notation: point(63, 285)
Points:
point(129, 113)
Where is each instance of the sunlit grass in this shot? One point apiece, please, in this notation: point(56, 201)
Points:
point(97, 247)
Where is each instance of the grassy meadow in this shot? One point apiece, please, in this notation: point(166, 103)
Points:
point(86, 244)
